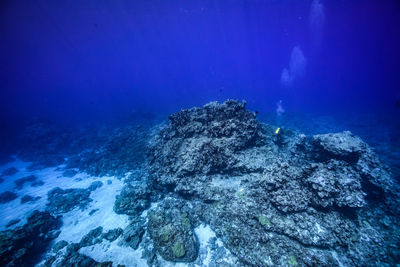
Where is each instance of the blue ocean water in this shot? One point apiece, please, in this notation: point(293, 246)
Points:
point(86, 95)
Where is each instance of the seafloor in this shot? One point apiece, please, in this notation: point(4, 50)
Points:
point(212, 186)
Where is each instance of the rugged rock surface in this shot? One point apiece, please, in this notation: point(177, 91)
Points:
point(12, 222)
point(24, 245)
point(121, 151)
point(19, 183)
point(275, 199)
point(132, 235)
point(93, 186)
point(28, 198)
point(64, 254)
point(272, 198)
point(172, 232)
point(37, 183)
point(203, 141)
point(134, 198)
point(7, 196)
point(112, 234)
point(59, 245)
point(9, 171)
point(71, 257)
point(61, 201)
point(93, 237)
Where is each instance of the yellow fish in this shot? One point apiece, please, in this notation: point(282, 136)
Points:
point(277, 130)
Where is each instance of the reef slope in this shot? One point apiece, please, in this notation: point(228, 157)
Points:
point(277, 198)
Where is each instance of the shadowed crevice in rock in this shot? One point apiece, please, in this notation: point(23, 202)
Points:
point(374, 193)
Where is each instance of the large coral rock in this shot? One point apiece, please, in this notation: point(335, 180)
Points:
point(347, 147)
point(202, 141)
point(275, 199)
point(343, 145)
point(336, 184)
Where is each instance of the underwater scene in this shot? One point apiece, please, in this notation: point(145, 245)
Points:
point(203, 133)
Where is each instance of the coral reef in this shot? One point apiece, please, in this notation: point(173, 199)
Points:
point(132, 235)
point(23, 245)
point(121, 150)
point(273, 200)
point(134, 199)
point(61, 201)
point(71, 257)
point(214, 186)
point(172, 232)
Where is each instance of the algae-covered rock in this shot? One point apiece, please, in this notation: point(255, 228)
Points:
point(172, 233)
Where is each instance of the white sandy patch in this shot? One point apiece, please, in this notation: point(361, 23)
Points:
point(76, 223)
point(204, 234)
point(233, 182)
point(106, 251)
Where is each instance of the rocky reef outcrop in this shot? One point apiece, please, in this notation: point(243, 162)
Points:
point(273, 197)
point(213, 186)
point(65, 200)
point(172, 230)
point(134, 199)
point(203, 141)
point(121, 150)
point(19, 183)
point(7, 196)
point(24, 245)
point(96, 150)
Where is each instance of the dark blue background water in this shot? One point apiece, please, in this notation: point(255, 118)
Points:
point(97, 60)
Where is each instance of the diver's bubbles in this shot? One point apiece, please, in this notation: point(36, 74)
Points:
point(297, 67)
point(298, 63)
point(279, 112)
point(279, 109)
point(317, 20)
point(285, 78)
